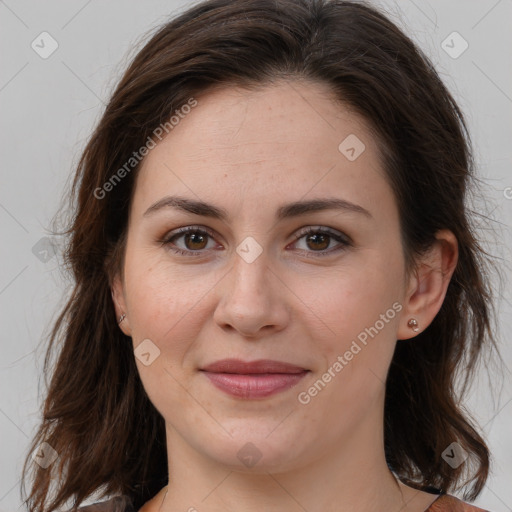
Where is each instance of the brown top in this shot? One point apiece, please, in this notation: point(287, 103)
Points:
point(444, 503)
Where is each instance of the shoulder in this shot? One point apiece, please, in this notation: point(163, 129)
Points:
point(448, 503)
point(115, 504)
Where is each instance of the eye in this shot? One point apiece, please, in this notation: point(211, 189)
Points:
point(195, 241)
point(318, 240)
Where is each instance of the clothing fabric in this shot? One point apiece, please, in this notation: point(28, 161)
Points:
point(444, 503)
point(117, 504)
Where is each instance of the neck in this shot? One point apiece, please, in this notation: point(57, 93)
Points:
point(355, 476)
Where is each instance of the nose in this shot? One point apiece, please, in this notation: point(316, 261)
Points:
point(253, 299)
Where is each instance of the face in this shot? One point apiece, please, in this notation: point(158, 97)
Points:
point(248, 277)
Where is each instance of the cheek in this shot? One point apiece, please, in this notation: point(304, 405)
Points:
point(163, 308)
point(353, 324)
point(353, 329)
point(160, 295)
point(345, 302)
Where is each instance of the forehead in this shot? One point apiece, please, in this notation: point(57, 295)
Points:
point(286, 139)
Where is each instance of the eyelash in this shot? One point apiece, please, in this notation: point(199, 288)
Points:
point(342, 239)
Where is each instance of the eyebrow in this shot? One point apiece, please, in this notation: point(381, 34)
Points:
point(286, 211)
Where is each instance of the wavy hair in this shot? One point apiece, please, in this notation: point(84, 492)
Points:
point(96, 414)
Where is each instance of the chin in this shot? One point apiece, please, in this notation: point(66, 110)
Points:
point(258, 449)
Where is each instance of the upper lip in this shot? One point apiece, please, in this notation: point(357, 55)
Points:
point(259, 366)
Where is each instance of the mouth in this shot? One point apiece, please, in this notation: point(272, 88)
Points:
point(254, 379)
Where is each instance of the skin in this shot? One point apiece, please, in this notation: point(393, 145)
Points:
point(240, 150)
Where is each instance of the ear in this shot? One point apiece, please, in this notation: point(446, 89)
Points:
point(427, 286)
point(117, 289)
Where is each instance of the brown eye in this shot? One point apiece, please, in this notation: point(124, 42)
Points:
point(318, 240)
point(195, 241)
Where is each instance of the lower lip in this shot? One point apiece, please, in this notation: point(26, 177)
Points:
point(254, 385)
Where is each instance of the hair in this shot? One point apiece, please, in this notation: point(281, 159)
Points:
point(96, 414)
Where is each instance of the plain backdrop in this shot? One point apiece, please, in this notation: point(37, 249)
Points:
point(50, 103)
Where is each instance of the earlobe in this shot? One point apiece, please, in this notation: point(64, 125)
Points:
point(413, 324)
point(428, 286)
point(120, 305)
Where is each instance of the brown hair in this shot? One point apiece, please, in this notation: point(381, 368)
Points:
point(96, 415)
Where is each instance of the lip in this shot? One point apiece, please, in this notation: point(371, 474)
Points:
point(253, 379)
point(259, 366)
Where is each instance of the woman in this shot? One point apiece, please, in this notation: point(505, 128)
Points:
point(276, 277)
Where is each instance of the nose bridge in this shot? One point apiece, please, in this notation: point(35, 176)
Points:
point(250, 268)
point(250, 299)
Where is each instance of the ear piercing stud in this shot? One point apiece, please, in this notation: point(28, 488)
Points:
point(121, 318)
point(413, 324)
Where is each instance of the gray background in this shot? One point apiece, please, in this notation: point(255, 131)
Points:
point(50, 105)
